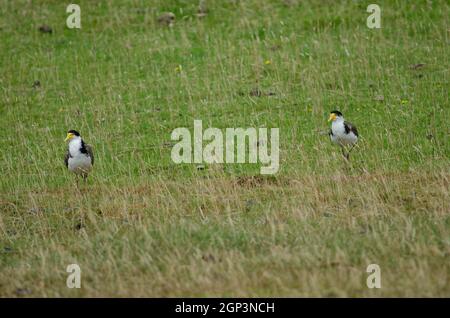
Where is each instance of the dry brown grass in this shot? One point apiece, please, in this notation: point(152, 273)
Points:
point(235, 236)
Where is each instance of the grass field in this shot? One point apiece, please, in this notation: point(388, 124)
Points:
point(144, 226)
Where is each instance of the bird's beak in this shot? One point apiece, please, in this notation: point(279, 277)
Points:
point(69, 136)
point(332, 117)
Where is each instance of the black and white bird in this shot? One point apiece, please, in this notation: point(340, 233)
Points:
point(342, 133)
point(79, 157)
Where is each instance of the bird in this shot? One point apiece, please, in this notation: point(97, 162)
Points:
point(342, 133)
point(79, 157)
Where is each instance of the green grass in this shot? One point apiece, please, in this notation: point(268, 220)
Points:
point(144, 226)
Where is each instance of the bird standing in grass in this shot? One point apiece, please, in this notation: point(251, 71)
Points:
point(343, 133)
point(79, 157)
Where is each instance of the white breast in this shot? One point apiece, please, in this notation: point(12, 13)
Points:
point(339, 136)
point(78, 162)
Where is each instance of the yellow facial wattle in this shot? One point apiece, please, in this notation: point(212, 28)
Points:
point(332, 117)
point(69, 136)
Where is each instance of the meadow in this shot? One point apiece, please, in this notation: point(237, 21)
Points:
point(145, 226)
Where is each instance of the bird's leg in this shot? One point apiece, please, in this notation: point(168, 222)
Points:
point(353, 146)
point(346, 155)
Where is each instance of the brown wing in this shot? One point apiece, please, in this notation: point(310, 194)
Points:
point(349, 127)
point(90, 153)
point(66, 158)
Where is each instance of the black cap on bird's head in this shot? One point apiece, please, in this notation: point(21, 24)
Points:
point(71, 134)
point(334, 114)
point(76, 133)
point(338, 113)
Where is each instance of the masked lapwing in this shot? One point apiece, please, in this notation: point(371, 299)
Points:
point(79, 157)
point(342, 133)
